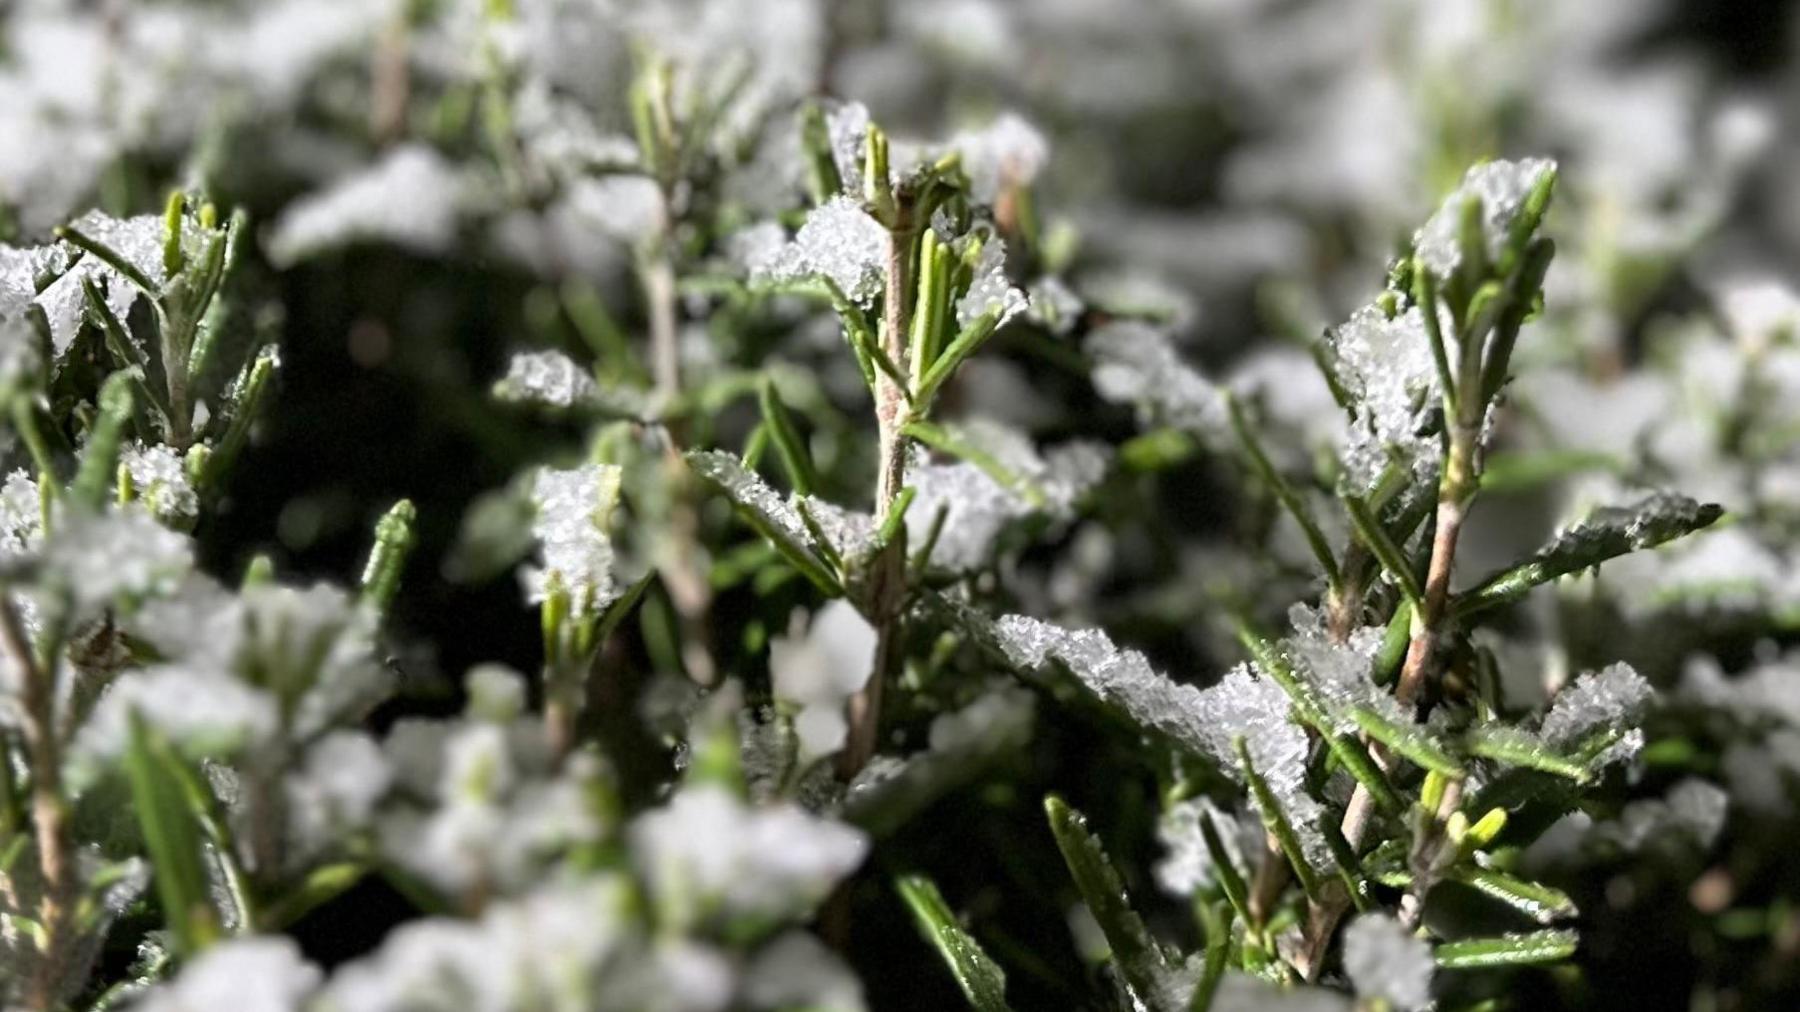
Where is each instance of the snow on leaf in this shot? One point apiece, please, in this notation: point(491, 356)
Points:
point(1606, 533)
point(1502, 187)
point(840, 243)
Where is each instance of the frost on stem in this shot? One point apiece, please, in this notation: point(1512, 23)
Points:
point(1388, 963)
point(1612, 699)
point(1135, 363)
point(256, 974)
point(1385, 366)
point(839, 243)
point(410, 198)
point(707, 851)
point(548, 378)
point(1502, 187)
point(576, 553)
point(816, 669)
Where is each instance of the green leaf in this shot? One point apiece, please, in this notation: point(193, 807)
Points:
point(966, 342)
point(108, 256)
point(766, 513)
point(1520, 470)
point(100, 459)
point(1140, 959)
point(1275, 820)
point(387, 557)
point(1283, 492)
point(1518, 747)
point(1311, 710)
point(172, 838)
point(982, 980)
point(1392, 558)
point(778, 422)
point(250, 389)
point(1410, 740)
point(1530, 949)
point(1607, 533)
point(1231, 883)
point(1535, 900)
point(951, 441)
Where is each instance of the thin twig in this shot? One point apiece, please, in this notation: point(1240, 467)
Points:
point(48, 813)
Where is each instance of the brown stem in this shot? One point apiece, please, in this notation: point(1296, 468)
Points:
point(49, 815)
point(887, 584)
point(1455, 490)
point(665, 350)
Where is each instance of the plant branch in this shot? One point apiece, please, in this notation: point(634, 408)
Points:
point(49, 815)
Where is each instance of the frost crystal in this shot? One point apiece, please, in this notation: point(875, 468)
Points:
point(1502, 187)
point(256, 974)
point(139, 240)
point(577, 554)
point(410, 198)
point(1387, 962)
point(819, 670)
point(161, 481)
point(1386, 368)
point(707, 848)
point(1611, 699)
point(550, 378)
point(847, 124)
point(1135, 363)
point(839, 243)
point(21, 516)
point(991, 290)
point(748, 490)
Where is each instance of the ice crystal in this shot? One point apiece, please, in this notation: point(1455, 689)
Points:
point(991, 290)
point(819, 669)
point(1135, 363)
point(256, 974)
point(1502, 187)
point(1388, 963)
point(1613, 698)
point(1770, 691)
point(847, 126)
point(138, 240)
point(340, 780)
point(160, 478)
point(850, 533)
point(707, 850)
point(410, 198)
point(839, 243)
point(549, 378)
point(748, 490)
point(627, 208)
point(1386, 367)
point(577, 554)
point(21, 515)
